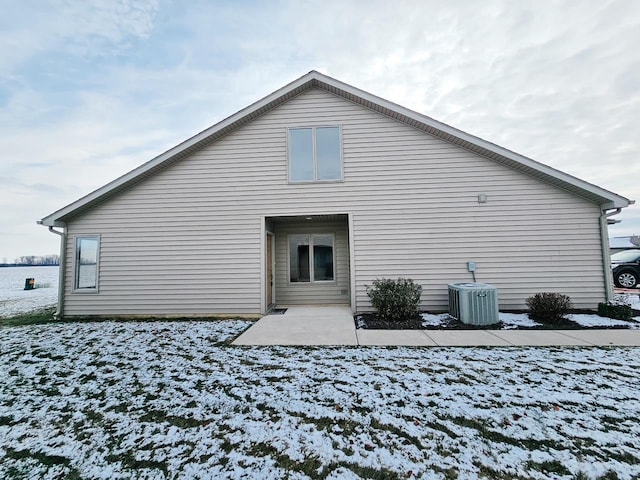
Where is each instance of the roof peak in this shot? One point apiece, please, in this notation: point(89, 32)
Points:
point(314, 78)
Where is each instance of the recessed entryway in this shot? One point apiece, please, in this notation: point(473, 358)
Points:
point(310, 260)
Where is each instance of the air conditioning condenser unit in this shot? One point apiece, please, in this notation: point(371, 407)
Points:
point(474, 303)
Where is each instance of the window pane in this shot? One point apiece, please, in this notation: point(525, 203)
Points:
point(322, 257)
point(300, 154)
point(299, 258)
point(87, 261)
point(328, 153)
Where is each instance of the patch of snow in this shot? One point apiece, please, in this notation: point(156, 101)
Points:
point(511, 321)
point(632, 299)
point(435, 320)
point(591, 320)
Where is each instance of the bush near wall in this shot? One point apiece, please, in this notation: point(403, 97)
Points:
point(549, 307)
point(395, 300)
point(615, 310)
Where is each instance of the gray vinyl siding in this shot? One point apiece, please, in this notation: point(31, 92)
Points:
point(187, 240)
point(323, 293)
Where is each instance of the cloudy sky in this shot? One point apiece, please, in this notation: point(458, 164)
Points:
point(90, 89)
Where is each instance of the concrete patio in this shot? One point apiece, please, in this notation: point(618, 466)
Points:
point(334, 325)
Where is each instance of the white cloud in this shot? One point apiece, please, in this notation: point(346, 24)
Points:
point(87, 28)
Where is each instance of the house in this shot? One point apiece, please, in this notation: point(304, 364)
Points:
point(620, 244)
point(313, 192)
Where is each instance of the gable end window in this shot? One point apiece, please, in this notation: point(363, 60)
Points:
point(86, 264)
point(315, 154)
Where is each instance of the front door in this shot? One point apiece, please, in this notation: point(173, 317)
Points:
point(269, 270)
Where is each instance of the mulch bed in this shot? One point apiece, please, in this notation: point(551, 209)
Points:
point(369, 321)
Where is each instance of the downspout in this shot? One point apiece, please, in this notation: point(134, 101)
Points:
point(61, 270)
point(606, 253)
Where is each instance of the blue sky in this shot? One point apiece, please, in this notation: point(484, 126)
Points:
point(91, 89)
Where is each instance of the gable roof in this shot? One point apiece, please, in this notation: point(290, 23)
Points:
point(313, 79)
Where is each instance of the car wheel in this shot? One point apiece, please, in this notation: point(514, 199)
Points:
point(626, 279)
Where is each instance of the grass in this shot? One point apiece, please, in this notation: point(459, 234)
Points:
point(36, 317)
point(46, 315)
point(174, 400)
point(42, 459)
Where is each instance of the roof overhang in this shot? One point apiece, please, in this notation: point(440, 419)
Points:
point(313, 79)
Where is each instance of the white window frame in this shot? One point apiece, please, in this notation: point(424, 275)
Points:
point(76, 266)
point(311, 258)
point(315, 159)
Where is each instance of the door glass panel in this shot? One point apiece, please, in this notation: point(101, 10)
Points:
point(322, 258)
point(299, 258)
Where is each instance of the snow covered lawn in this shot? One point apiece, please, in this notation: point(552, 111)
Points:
point(171, 400)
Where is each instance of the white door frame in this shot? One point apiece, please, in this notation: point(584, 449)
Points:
point(263, 256)
point(273, 269)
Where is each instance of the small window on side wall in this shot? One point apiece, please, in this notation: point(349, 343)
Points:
point(86, 271)
point(315, 154)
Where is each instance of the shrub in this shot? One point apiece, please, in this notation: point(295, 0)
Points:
point(549, 307)
point(611, 310)
point(395, 300)
point(618, 308)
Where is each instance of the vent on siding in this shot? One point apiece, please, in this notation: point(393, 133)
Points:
point(473, 303)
